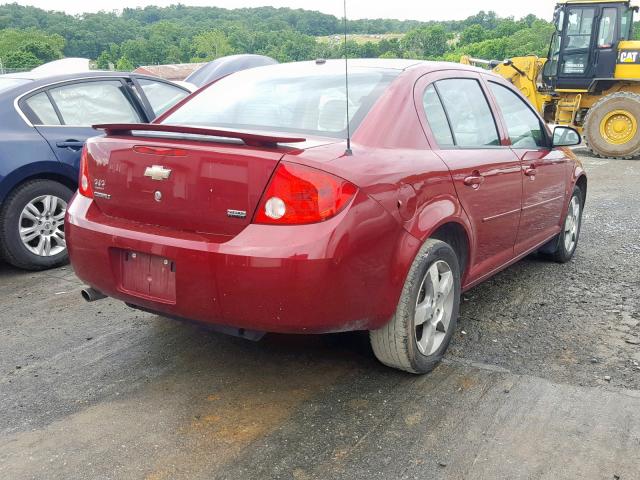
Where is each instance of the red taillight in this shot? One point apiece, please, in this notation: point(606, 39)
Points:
point(84, 183)
point(297, 194)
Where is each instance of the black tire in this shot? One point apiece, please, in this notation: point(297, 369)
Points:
point(594, 140)
point(556, 249)
point(12, 249)
point(396, 344)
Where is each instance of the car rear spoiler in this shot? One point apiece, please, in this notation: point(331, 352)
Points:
point(251, 139)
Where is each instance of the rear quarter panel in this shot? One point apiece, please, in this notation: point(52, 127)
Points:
point(392, 162)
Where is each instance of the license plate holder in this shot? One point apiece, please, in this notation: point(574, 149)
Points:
point(148, 276)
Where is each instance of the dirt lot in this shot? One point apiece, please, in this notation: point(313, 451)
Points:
point(542, 380)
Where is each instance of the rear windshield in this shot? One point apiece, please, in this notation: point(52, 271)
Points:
point(308, 100)
point(8, 83)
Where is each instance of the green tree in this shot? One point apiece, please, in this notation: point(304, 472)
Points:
point(137, 52)
point(427, 42)
point(389, 54)
point(389, 48)
point(473, 34)
point(507, 27)
point(211, 45)
point(42, 50)
point(288, 46)
point(21, 60)
point(368, 50)
point(529, 19)
point(181, 33)
point(492, 49)
point(42, 46)
point(488, 20)
point(124, 65)
point(103, 61)
point(530, 41)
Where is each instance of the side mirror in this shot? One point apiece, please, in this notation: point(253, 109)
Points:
point(566, 137)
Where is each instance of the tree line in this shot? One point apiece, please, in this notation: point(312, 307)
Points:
point(30, 36)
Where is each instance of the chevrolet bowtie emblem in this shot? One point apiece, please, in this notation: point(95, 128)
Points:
point(157, 172)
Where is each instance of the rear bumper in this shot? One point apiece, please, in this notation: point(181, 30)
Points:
point(339, 275)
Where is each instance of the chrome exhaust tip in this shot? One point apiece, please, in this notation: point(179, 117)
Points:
point(91, 294)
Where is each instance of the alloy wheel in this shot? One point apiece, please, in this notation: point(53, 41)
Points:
point(572, 225)
point(434, 307)
point(42, 225)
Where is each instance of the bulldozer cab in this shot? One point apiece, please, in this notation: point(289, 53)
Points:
point(584, 46)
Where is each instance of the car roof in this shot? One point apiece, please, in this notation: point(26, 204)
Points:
point(337, 64)
point(400, 65)
point(34, 76)
point(34, 81)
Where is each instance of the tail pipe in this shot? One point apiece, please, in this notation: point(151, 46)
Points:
point(91, 294)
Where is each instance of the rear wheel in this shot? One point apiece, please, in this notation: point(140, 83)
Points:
point(32, 225)
point(611, 127)
point(420, 331)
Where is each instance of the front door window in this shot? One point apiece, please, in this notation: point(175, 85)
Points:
point(524, 127)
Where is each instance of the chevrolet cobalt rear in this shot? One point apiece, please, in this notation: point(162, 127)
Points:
point(243, 208)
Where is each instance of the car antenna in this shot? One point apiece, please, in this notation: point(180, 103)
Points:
point(348, 151)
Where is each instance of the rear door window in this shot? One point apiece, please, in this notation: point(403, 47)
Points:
point(42, 111)
point(469, 114)
point(160, 95)
point(89, 103)
point(524, 127)
point(437, 117)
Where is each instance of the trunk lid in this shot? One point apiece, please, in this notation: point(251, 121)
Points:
point(185, 184)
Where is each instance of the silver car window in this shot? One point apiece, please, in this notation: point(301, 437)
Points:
point(41, 106)
point(469, 113)
point(161, 96)
point(524, 127)
point(437, 117)
point(286, 99)
point(88, 103)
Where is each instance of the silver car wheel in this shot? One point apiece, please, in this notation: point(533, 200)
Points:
point(572, 225)
point(42, 225)
point(434, 308)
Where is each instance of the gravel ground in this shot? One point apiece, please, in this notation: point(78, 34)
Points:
point(578, 322)
point(542, 380)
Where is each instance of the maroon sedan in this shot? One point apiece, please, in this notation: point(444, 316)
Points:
point(243, 207)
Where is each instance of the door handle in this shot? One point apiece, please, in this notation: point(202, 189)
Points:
point(70, 144)
point(474, 180)
point(530, 171)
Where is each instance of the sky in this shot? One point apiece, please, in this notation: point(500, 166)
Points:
point(401, 9)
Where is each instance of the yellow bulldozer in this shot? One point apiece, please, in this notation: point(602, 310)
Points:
point(590, 79)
